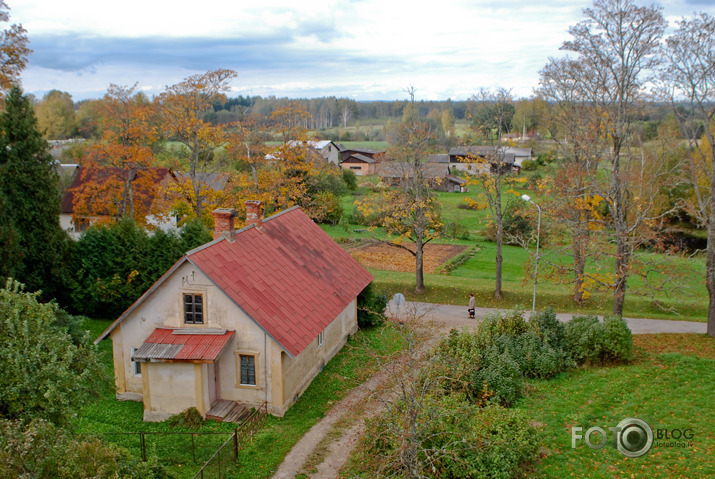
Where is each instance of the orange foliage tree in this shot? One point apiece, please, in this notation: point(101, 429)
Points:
point(119, 177)
point(183, 107)
point(13, 50)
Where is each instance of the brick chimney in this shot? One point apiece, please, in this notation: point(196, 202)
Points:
point(224, 226)
point(254, 213)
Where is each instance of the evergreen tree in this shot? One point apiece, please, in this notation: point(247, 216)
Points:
point(33, 247)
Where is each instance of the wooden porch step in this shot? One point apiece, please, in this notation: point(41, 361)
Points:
point(225, 410)
point(237, 414)
point(220, 409)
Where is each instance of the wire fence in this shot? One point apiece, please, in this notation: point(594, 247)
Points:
point(213, 452)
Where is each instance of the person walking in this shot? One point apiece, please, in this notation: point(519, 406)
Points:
point(472, 305)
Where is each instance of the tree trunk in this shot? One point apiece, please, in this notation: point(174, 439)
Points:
point(579, 266)
point(419, 275)
point(710, 258)
point(621, 279)
point(500, 234)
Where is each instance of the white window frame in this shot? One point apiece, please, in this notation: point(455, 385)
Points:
point(136, 365)
point(321, 339)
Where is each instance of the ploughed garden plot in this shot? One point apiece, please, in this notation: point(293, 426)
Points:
point(378, 255)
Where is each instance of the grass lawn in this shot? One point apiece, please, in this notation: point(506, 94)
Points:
point(682, 299)
point(668, 389)
point(359, 358)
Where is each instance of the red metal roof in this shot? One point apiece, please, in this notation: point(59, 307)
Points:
point(183, 345)
point(288, 275)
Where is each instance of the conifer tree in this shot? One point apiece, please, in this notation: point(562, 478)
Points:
point(33, 247)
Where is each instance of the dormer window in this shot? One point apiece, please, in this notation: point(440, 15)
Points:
point(193, 309)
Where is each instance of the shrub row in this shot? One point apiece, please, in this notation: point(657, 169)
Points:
point(458, 260)
point(491, 362)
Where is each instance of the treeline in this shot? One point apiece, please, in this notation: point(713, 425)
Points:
point(59, 117)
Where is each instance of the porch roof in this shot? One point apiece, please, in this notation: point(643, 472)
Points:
point(183, 345)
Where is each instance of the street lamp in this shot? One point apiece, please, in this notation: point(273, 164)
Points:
point(538, 235)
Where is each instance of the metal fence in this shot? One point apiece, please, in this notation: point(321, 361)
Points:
point(218, 464)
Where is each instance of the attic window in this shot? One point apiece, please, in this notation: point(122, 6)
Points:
point(193, 309)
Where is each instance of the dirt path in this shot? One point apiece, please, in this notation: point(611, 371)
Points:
point(369, 398)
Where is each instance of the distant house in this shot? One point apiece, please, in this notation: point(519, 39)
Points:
point(245, 320)
point(437, 175)
point(329, 150)
point(362, 161)
point(479, 159)
point(147, 185)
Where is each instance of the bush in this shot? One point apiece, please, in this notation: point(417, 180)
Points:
point(583, 339)
point(371, 306)
point(455, 230)
point(450, 438)
point(551, 329)
point(588, 340)
point(188, 418)
point(115, 264)
point(618, 341)
point(350, 179)
point(39, 449)
point(47, 373)
point(501, 374)
point(529, 165)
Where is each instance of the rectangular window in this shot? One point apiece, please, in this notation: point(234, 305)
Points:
point(248, 370)
point(193, 309)
point(321, 337)
point(136, 365)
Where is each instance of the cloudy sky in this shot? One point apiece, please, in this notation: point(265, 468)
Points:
point(361, 49)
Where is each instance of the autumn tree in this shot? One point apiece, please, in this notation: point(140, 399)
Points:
point(55, 115)
point(411, 211)
point(616, 48)
point(183, 107)
point(688, 76)
point(33, 247)
point(571, 198)
point(491, 117)
point(119, 169)
point(13, 50)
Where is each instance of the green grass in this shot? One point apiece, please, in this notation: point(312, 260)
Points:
point(359, 358)
point(667, 390)
point(684, 298)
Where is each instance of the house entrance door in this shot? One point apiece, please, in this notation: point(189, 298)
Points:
point(213, 383)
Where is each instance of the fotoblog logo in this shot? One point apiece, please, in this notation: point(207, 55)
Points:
point(632, 437)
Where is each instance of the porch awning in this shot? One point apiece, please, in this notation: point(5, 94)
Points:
point(183, 345)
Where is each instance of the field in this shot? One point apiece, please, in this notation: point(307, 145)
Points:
point(378, 255)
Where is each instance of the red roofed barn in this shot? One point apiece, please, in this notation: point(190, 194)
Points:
point(248, 318)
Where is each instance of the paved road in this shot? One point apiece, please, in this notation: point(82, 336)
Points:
point(447, 317)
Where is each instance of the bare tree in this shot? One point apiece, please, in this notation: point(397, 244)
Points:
point(689, 76)
point(616, 47)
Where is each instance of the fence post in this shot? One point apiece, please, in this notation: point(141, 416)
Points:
point(143, 445)
point(193, 447)
point(235, 445)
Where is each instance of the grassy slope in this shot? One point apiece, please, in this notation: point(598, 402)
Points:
point(667, 390)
